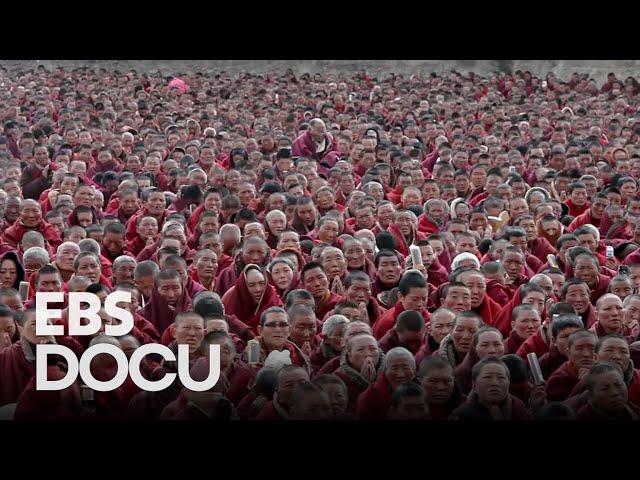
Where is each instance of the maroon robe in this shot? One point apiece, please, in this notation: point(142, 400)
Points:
point(513, 343)
point(390, 340)
point(15, 372)
point(327, 306)
point(375, 401)
point(561, 383)
point(428, 348)
point(13, 235)
point(159, 313)
point(389, 318)
point(238, 301)
point(540, 248)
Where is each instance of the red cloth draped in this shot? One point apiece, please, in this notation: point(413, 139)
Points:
point(13, 235)
point(401, 242)
point(238, 302)
point(158, 312)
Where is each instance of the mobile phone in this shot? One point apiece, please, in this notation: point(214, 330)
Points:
point(534, 365)
point(552, 261)
point(254, 351)
point(609, 253)
point(512, 169)
point(624, 270)
point(24, 291)
point(416, 256)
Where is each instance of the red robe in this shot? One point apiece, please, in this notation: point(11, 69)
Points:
point(391, 340)
point(328, 305)
point(501, 294)
point(437, 273)
point(375, 401)
point(15, 372)
point(513, 343)
point(158, 312)
point(503, 321)
point(389, 318)
point(561, 383)
point(239, 377)
point(600, 289)
point(540, 248)
point(488, 310)
point(428, 348)
point(238, 301)
point(583, 219)
point(426, 226)
point(575, 210)
point(401, 242)
point(13, 235)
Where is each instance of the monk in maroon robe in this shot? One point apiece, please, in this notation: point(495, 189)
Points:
point(251, 296)
point(581, 357)
point(31, 219)
point(374, 403)
point(168, 298)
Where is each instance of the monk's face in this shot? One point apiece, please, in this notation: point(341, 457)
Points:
point(492, 384)
point(226, 352)
point(124, 272)
point(29, 330)
point(400, 369)
point(190, 331)
point(363, 348)
point(49, 282)
point(7, 325)
point(288, 382)
point(89, 267)
point(170, 289)
point(12, 301)
point(31, 215)
point(463, 333)
point(303, 329)
point(615, 350)
point(582, 352)
point(275, 330)
point(438, 385)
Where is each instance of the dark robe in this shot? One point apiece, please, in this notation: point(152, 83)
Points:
point(389, 318)
point(375, 401)
point(428, 348)
point(238, 301)
point(356, 383)
point(160, 314)
point(16, 370)
point(513, 343)
point(512, 409)
point(561, 383)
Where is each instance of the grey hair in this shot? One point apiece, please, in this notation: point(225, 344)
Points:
point(123, 259)
point(38, 254)
point(329, 250)
point(67, 244)
point(89, 245)
point(273, 213)
point(539, 276)
point(316, 121)
point(277, 260)
point(331, 323)
point(399, 352)
point(33, 237)
point(433, 201)
point(593, 230)
point(230, 226)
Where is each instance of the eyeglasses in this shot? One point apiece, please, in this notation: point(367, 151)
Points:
point(277, 325)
